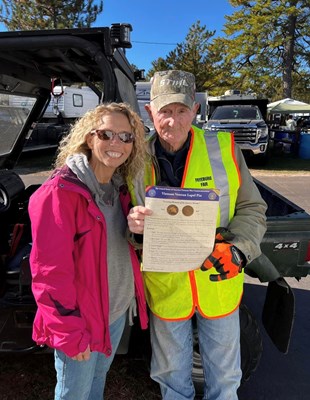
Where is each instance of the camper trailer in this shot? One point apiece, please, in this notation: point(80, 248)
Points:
point(70, 102)
point(66, 104)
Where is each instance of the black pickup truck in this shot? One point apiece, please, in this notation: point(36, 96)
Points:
point(29, 62)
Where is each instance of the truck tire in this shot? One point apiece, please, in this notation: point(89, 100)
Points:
point(251, 349)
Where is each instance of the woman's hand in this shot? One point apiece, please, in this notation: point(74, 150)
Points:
point(84, 356)
point(136, 218)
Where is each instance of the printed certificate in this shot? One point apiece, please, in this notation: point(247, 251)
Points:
point(180, 233)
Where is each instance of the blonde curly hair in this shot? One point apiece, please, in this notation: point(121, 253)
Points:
point(76, 140)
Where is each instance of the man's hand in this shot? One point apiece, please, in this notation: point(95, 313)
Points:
point(226, 258)
point(136, 218)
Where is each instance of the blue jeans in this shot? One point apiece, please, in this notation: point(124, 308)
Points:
point(85, 380)
point(172, 357)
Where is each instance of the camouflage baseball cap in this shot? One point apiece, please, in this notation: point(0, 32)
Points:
point(173, 87)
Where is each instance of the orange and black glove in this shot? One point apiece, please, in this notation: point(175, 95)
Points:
point(226, 258)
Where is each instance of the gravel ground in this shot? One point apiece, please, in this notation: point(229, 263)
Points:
point(32, 377)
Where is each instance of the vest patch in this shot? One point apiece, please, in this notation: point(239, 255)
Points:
point(203, 180)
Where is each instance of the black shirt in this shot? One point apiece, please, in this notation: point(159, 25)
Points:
point(171, 164)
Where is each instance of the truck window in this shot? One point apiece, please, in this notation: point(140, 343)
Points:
point(225, 113)
point(14, 111)
point(249, 113)
point(11, 122)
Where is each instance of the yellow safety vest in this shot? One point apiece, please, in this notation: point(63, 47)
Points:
point(210, 164)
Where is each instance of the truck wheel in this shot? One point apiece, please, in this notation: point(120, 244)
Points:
point(251, 349)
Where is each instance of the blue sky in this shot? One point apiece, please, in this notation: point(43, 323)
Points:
point(162, 21)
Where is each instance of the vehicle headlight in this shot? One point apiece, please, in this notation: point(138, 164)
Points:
point(262, 132)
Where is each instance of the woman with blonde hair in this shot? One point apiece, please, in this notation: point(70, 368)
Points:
point(86, 276)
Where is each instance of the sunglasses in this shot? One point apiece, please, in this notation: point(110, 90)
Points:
point(125, 137)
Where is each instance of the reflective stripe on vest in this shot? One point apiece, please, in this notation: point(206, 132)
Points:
point(173, 296)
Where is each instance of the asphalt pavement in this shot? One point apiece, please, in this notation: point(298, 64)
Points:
point(283, 376)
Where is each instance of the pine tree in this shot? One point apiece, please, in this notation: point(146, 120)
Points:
point(190, 55)
point(50, 14)
point(266, 45)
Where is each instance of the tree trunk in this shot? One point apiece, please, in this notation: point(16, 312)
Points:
point(288, 56)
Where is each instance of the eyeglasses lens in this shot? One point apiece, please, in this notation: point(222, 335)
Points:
point(125, 137)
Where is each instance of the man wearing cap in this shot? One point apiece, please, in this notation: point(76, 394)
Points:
point(183, 155)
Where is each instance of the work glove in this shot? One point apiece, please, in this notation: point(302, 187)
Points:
point(226, 258)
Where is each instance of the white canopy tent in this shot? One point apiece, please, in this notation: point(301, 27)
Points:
point(288, 106)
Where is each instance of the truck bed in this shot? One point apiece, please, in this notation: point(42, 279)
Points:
point(287, 240)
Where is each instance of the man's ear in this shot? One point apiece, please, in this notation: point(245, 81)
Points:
point(148, 109)
point(196, 107)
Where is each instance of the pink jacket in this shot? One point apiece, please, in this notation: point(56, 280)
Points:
point(69, 267)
